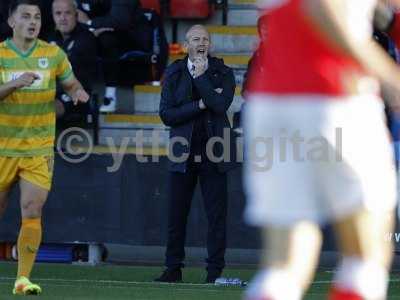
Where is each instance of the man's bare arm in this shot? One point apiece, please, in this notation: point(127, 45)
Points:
point(75, 90)
point(22, 81)
point(328, 15)
point(395, 3)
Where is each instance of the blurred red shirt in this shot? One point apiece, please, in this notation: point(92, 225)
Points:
point(295, 58)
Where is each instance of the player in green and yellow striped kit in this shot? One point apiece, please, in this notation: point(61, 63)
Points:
point(29, 69)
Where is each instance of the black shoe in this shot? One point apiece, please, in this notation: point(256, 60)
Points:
point(211, 277)
point(171, 276)
point(109, 105)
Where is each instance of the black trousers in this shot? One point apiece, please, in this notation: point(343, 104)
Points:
point(213, 186)
point(110, 52)
point(112, 45)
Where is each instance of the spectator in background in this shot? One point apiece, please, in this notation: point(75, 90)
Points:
point(262, 30)
point(120, 27)
point(196, 93)
point(80, 46)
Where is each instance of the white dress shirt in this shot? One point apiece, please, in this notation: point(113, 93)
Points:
point(190, 67)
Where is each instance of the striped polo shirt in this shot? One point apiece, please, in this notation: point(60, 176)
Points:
point(27, 116)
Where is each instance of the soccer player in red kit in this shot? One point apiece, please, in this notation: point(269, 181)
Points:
point(317, 148)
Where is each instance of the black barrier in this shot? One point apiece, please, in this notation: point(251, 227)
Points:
point(90, 204)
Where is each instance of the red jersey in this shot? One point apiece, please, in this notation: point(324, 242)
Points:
point(297, 59)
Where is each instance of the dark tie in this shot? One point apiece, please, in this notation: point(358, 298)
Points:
point(192, 70)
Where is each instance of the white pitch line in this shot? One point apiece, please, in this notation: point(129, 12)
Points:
point(144, 282)
point(113, 281)
point(125, 287)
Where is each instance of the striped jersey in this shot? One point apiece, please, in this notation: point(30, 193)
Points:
point(27, 115)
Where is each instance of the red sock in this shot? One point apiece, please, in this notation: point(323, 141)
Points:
point(339, 294)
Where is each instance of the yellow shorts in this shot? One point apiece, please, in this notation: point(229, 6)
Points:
point(37, 170)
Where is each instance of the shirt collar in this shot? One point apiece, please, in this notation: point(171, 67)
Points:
point(190, 65)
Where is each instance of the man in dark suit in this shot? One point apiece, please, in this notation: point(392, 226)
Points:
point(196, 95)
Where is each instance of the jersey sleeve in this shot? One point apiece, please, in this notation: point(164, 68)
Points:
point(64, 68)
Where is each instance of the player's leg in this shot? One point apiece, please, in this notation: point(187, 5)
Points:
point(30, 236)
point(367, 255)
point(279, 202)
point(289, 260)
point(363, 198)
point(35, 184)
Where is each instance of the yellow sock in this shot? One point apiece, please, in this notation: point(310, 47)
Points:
point(30, 236)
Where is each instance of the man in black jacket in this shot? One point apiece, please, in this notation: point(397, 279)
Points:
point(80, 46)
point(196, 95)
point(120, 26)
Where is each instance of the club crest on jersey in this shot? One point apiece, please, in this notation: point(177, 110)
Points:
point(43, 62)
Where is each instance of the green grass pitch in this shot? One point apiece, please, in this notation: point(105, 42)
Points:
point(60, 281)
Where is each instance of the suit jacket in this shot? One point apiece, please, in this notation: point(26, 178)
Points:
point(179, 111)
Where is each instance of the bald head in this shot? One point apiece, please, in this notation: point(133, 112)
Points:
point(71, 3)
point(196, 29)
point(65, 15)
point(197, 42)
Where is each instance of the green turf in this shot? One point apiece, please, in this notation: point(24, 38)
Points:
point(123, 282)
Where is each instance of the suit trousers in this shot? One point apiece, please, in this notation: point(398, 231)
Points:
point(213, 186)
